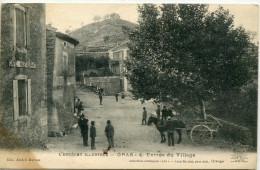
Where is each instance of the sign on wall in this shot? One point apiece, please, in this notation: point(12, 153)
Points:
point(22, 64)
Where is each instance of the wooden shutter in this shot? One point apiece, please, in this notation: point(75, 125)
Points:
point(15, 98)
point(20, 28)
point(29, 100)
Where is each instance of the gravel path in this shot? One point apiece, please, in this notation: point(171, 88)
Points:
point(130, 135)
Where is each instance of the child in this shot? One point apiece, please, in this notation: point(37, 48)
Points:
point(92, 135)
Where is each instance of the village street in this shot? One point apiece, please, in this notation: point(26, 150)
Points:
point(130, 135)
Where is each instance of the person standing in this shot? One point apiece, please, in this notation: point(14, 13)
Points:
point(116, 95)
point(158, 112)
point(83, 124)
point(164, 113)
point(77, 105)
point(80, 108)
point(144, 116)
point(100, 97)
point(109, 131)
point(170, 131)
point(92, 135)
point(123, 98)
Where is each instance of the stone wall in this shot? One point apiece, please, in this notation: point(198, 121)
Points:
point(111, 85)
point(24, 127)
point(61, 83)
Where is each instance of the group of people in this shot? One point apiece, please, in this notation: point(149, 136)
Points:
point(166, 122)
point(84, 128)
point(78, 107)
point(100, 95)
point(165, 118)
point(165, 113)
point(122, 97)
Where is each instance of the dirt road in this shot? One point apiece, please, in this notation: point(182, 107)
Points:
point(130, 135)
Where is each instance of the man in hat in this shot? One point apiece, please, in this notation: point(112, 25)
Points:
point(83, 124)
point(100, 96)
point(109, 131)
point(92, 135)
point(170, 131)
point(164, 113)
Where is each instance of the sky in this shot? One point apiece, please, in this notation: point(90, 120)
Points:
point(71, 16)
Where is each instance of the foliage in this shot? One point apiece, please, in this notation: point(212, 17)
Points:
point(106, 38)
point(86, 62)
point(114, 16)
point(97, 18)
point(185, 52)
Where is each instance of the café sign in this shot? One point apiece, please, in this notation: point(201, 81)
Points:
point(22, 64)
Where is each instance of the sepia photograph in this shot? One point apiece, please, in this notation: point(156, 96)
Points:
point(128, 85)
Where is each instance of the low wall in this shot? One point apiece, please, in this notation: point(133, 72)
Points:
point(111, 85)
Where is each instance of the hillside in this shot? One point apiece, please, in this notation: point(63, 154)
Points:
point(101, 36)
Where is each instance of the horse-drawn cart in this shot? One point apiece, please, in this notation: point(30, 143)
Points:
point(200, 131)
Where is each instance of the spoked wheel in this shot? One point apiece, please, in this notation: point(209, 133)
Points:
point(201, 134)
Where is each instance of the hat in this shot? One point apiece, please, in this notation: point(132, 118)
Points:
point(108, 121)
point(92, 122)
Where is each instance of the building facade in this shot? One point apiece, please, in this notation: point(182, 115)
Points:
point(23, 75)
point(118, 56)
point(61, 84)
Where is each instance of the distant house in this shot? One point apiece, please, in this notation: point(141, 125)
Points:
point(23, 74)
point(60, 80)
point(118, 56)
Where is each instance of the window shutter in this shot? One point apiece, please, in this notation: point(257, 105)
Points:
point(27, 20)
point(29, 102)
point(15, 98)
point(20, 26)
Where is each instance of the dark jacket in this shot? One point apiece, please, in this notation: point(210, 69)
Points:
point(83, 124)
point(80, 107)
point(170, 125)
point(145, 114)
point(164, 112)
point(92, 131)
point(109, 131)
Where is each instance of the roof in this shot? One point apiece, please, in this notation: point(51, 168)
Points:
point(67, 38)
point(119, 46)
point(62, 35)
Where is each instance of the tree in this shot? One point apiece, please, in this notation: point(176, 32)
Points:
point(114, 16)
point(107, 16)
point(97, 18)
point(106, 38)
point(186, 53)
point(67, 31)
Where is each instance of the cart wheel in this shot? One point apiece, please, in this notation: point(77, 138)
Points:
point(201, 134)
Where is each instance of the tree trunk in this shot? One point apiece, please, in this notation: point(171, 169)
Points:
point(202, 109)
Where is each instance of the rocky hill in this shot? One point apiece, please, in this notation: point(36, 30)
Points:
point(101, 36)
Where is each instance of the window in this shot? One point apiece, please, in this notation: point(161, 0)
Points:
point(118, 55)
point(21, 27)
point(65, 62)
point(21, 96)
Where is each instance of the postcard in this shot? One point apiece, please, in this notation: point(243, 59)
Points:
point(129, 86)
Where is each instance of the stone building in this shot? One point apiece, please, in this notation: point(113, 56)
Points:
point(61, 83)
point(118, 56)
point(22, 75)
